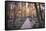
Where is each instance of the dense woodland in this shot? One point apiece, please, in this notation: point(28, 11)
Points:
point(17, 12)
